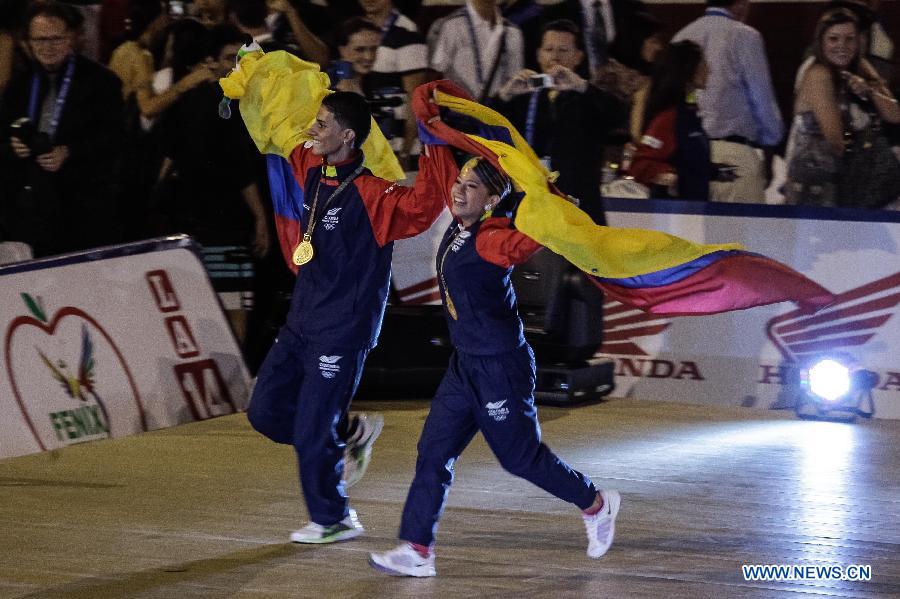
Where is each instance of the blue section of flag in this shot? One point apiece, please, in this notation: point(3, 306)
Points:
point(674, 274)
point(287, 195)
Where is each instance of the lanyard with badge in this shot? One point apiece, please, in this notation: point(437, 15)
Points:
point(453, 234)
point(303, 253)
point(60, 98)
point(485, 85)
point(530, 125)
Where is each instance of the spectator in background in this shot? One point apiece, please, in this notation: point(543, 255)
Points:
point(673, 156)
point(840, 102)
point(738, 106)
point(604, 23)
point(211, 193)
point(357, 44)
point(627, 75)
point(211, 12)
point(133, 60)
point(400, 66)
point(475, 47)
point(568, 120)
point(876, 46)
point(61, 167)
point(250, 16)
point(133, 63)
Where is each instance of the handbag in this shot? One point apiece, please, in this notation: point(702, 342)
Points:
point(869, 176)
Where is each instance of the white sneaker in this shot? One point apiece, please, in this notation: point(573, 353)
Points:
point(347, 528)
point(601, 527)
point(358, 452)
point(403, 560)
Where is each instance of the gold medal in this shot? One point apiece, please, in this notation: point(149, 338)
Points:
point(303, 253)
point(451, 308)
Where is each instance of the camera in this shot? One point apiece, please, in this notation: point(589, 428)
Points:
point(25, 131)
point(537, 82)
point(383, 103)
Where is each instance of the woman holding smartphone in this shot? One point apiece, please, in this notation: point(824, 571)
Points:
point(840, 96)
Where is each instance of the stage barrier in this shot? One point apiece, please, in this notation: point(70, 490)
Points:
point(111, 342)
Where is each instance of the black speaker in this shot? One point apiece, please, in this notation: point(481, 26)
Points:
point(412, 354)
point(561, 309)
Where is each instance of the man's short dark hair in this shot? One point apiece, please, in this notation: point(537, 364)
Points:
point(721, 3)
point(66, 13)
point(564, 26)
point(351, 111)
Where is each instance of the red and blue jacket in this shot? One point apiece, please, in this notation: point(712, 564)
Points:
point(675, 142)
point(340, 295)
point(474, 265)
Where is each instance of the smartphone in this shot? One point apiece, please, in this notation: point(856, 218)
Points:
point(540, 82)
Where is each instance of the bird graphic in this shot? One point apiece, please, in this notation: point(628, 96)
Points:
point(80, 387)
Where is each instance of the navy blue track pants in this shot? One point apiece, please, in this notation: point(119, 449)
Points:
point(302, 395)
point(493, 394)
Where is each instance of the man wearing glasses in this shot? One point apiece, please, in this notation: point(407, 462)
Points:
point(61, 123)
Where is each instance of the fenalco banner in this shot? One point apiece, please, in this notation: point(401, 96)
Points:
point(112, 342)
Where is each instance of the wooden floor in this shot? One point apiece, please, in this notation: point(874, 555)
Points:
point(204, 510)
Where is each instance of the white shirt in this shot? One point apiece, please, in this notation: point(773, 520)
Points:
point(454, 54)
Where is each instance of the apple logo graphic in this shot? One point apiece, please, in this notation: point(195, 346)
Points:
point(69, 378)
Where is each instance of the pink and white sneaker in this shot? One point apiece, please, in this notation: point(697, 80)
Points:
point(403, 560)
point(601, 527)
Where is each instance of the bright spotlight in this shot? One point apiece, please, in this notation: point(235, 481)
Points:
point(829, 379)
point(833, 387)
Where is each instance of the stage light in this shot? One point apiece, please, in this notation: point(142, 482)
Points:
point(834, 387)
point(828, 379)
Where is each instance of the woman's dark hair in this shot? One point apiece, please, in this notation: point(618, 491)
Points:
point(496, 182)
point(140, 14)
point(627, 49)
point(838, 16)
point(190, 46)
point(352, 26)
point(673, 71)
point(66, 13)
point(351, 111)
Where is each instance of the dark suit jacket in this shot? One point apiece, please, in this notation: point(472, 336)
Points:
point(73, 208)
point(571, 131)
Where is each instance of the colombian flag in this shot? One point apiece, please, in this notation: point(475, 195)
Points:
point(280, 96)
point(650, 270)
